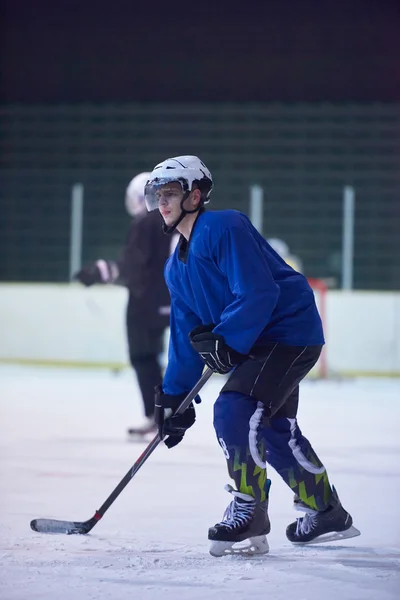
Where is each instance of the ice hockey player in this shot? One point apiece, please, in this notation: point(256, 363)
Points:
point(237, 306)
point(140, 269)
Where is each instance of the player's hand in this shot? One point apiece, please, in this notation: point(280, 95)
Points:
point(100, 271)
point(213, 349)
point(175, 426)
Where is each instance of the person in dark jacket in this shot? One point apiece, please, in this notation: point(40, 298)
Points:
point(140, 269)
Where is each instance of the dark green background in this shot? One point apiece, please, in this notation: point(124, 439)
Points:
point(302, 155)
point(302, 98)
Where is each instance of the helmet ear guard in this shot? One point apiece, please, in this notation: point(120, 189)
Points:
point(205, 186)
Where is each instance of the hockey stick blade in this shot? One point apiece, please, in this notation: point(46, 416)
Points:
point(83, 527)
point(67, 527)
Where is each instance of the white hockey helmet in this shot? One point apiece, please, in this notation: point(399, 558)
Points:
point(185, 170)
point(134, 195)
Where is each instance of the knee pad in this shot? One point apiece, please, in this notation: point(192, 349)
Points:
point(238, 421)
point(232, 414)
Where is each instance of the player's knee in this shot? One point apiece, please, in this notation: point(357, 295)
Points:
point(232, 414)
point(281, 436)
point(285, 427)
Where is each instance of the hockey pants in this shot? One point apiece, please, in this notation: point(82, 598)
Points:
point(250, 440)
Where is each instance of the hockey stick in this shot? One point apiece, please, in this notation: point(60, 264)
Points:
point(82, 527)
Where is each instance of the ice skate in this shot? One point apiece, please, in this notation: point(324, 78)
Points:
point(243, 521)
point(142, 432)
point(332, 524)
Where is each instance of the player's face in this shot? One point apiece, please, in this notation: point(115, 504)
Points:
point(169, 198)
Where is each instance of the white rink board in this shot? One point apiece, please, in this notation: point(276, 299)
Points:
point(63, 450)
point(68, 324)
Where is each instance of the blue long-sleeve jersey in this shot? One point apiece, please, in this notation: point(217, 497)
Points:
point(228, 274)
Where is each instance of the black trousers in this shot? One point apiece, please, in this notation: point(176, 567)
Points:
point(273, 378)
point(145, 343)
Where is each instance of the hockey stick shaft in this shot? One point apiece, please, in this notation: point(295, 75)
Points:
point(152, 446)
point(54, 526)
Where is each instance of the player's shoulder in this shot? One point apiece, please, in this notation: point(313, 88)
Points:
point(221, 220)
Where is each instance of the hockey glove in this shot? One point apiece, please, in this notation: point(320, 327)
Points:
point(101, 271)
point(172, 426)
point(213, 349)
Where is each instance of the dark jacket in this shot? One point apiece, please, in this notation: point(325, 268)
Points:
point(141, 268)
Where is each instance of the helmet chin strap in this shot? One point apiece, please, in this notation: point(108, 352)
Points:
point(169, 229)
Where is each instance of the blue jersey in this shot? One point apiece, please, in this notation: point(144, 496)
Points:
point(228, 274)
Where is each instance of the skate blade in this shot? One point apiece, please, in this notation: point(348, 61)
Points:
point(333, 536)
point(140, 438)
point(135, 438)
point(255, 545)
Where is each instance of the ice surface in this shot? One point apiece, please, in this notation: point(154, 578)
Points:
point(63, 450)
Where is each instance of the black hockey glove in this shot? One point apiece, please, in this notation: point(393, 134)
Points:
point(174, 427)
point(213, 349)
point(101, 271)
